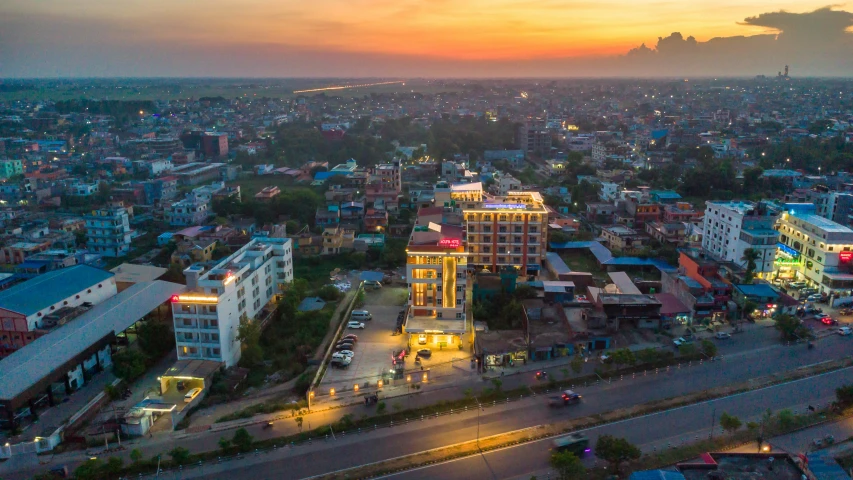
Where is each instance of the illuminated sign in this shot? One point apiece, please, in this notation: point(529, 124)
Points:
point(845, 256)
point(229, 277)
point(786, 249)
point(450, 243)
point(505, 205)
point(194, 299)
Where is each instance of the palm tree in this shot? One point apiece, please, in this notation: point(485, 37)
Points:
point(750, 255)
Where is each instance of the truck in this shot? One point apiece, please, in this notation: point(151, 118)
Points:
point(573, 442)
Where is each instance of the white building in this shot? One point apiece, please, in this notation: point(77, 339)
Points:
point(195, 208)
point(730, 228)
point(108, 232)
point(207, 317)
point(84, 189)
point(507, 183)
point(609, 191)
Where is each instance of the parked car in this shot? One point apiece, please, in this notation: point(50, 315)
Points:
point(340, 362)
point(360, 316)
point(192, 394)
point(351, 336)
point(827, 320)
point(343, 354)
point(681, 341)
point(844, 331)
point(355, 325)
point(567, 397)
point(422, 339)
point(425, 353)
point(344, 346)
point(372, 284)
point(181, 386)
point(816, 297)
point(722, 335)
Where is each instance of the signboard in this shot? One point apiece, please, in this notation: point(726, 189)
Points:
point(790, 251)
point(845, 256)
point(450, 243)
point(519, 206)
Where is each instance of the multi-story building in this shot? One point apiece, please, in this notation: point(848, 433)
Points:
point(732, 227)
point(815, 250)
point(108, 232)
point(195, 208)
point(509, 230)
point(10, 168)
point(207, 317)
point(214, 144)
point(30, 309)
point(197, 172)
point(436, 269)
point(506, 183)
point(532, 139)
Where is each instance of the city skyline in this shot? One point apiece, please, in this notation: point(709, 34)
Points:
point(508, 38)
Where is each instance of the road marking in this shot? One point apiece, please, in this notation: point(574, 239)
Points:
point(588, 429)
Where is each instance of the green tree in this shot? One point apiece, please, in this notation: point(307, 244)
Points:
point(687, 349)
point(786, 418)
point(155, 338)
point(224, 444)
point(577, 364)
point(709, 348)
point(623, 356)
point(249, 334)
point(568, 466)
point(730, 423)
point(112, 468)
point(750, 255)
point(791, 328)
point(180, 455)
point(242, 440)
point(844, 395)
point(128, 364)
point(135, 455)
point(89, 470)
point(497, 383)
point(615, 450)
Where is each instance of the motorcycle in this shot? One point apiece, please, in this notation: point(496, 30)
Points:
point(541, 375)
point(267, 425)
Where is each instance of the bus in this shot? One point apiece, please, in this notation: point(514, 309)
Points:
point(574, 442)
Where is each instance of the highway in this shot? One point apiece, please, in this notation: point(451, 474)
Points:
point(676, 425)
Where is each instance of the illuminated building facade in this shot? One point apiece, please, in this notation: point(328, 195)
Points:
point(207, 316)
point(815, 250)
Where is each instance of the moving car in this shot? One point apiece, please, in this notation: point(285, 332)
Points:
point(681, 341)
point(722, 335)
point(568, 397)
point(574, 442)
point(844, 331)
point(192, 394)
point(827, 320)
point(355, 325)
point(425, 353)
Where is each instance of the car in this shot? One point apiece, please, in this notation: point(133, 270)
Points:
point(190, 396)
point(844, 331)
point(681, 341)
point(352, 337)
point(814, 297)
point(343, 354)
point(340, 362)
point(355, 325)
point(567, 397)
point(372, 284)
point(344, 346)
point(425, 353)
point(422, 339)
point(827, 320)
point(722, 335)
point(181, 386)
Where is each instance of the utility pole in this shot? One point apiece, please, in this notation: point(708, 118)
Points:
point(713, 422)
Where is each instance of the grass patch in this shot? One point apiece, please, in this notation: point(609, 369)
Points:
point(263, 408)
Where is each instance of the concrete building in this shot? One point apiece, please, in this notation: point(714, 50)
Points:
point(196, 172)
point(32, 308)
point(239, 287)
point(815, 250)
point(532, 139)
point(108, 232)
point(732, 227)
point(214, 144)
point(195, 208)
point(9, 168)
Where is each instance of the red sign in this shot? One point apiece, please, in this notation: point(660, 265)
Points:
point(845, 256)
point(449, 243)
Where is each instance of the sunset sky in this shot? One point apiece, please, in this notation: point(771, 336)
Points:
point(52, 37)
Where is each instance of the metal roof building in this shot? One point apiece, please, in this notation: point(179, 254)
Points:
point(41, 292)
point(30, 371)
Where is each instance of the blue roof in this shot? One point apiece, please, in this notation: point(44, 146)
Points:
point(557, 263)
point(310, 304)
point(759, 290)
point(690, 282)
point(32, 264)
point(656, 475)
point(32, 296)
point(368, 276)
point(665, 194)
point(658, 134)
point(824, 467)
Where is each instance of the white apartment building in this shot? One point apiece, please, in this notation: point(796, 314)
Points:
point(195, 208)
point(507, 183)
point(815, 250)
point(732, 227)
point(108, 232)
point(207, 317)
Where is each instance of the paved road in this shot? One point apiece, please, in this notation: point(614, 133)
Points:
point(674, 426)
point(736, 367)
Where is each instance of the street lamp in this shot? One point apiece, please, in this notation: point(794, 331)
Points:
point(479, 409)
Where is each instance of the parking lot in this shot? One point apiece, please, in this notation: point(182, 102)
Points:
point(376, 343)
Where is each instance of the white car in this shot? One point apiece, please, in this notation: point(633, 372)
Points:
point(722, 335)
point(343, 354)
point(355, 325)
point(844, 331)
point(681, 341)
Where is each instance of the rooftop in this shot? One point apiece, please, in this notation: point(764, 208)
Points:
point(50, 288)
point(132, 273)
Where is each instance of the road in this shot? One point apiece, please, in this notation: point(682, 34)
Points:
point(740, 366)
point(674, 426)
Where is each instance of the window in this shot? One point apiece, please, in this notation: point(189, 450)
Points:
point(517, 229)
point(487, 249)
point(502, 229)
point(532, 229)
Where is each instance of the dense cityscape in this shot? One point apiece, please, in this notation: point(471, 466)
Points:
point(425, 278)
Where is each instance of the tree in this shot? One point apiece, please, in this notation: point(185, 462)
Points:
point(249, 334)
point(135, 455)
point(709, 348)
point(155, 338)
point(568, 466)
point(615, 450)
point(577, 364)
point(730, 423)
point(242, 440)
point(750, 255)
point(180, 455)
point(844, 394)
point(224, 443)
point(686, 349)
point(113, 467)
point(128, 364)
point(299, 421)
point(623, 356)
point(791, 328)
point(89, 470)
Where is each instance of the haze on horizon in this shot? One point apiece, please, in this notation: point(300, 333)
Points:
point(419, 38)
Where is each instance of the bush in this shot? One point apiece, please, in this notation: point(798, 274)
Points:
point(128, 364)
point(844, 394)
point(180, 455)
point(242, 440)
point(730, 423)
point(329, 293)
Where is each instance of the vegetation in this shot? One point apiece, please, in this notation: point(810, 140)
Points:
point(750, 255)
point(242, 440)
point(180, 455)
point(730, 423)
point(791, 328)
point(844, 395)
point(615, 451)
point(568, 466)
point(503, 311)
point(155, 338)
point(129, 364)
